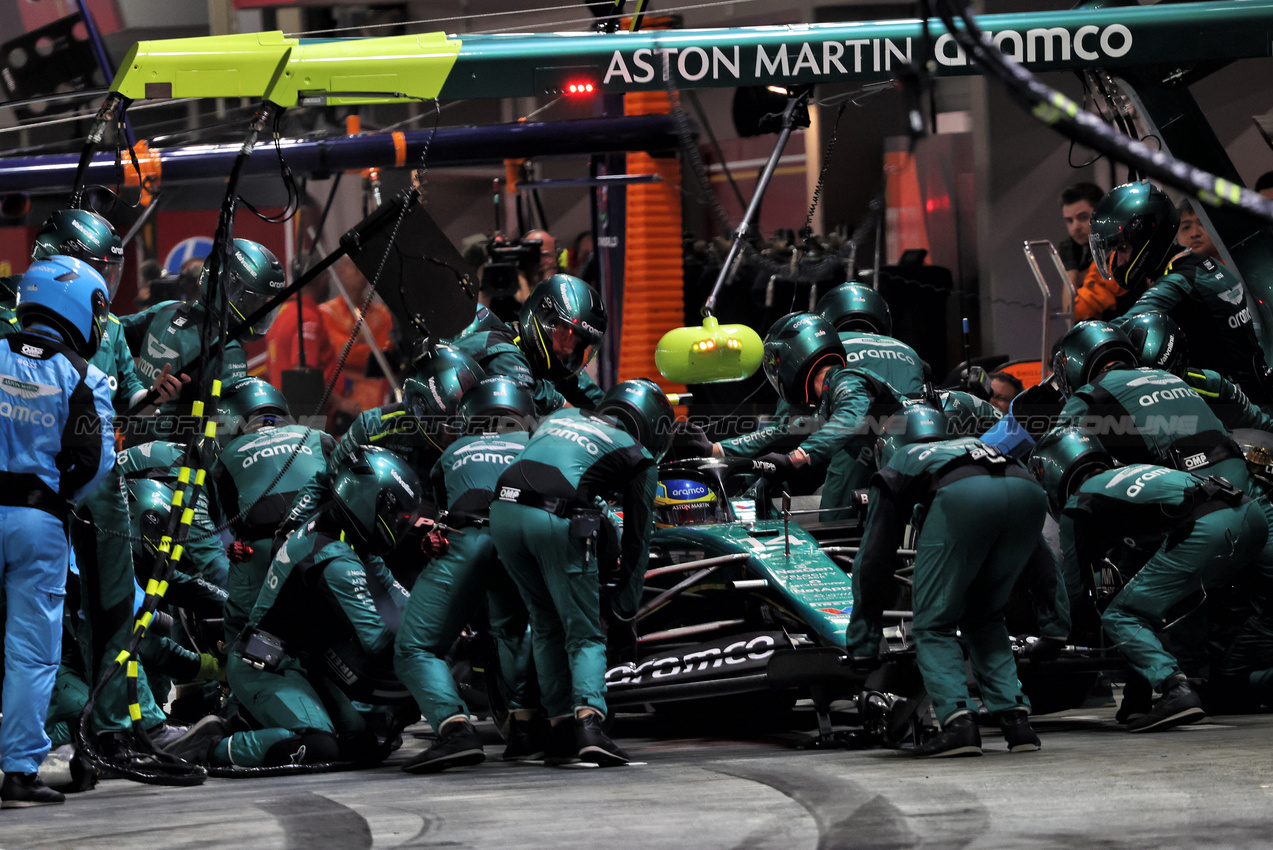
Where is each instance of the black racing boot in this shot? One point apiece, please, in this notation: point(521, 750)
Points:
point(1015, 723)
point(1178, 705)
point(959, 737)
point(165, 733)
point(23, 790)
point(561, 748)
point(458, 745)
point(595, 745)
point(197, 744)
point(527, 739)
point(1137, 699)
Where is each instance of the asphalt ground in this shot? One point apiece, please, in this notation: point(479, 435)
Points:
point(1092, 785)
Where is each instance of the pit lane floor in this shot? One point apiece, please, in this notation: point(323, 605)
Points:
point(1093, 785)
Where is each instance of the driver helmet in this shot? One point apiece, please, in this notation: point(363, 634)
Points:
point(1158, 341)
point(562, 324)
point(684, 501)
point(253, 276)
point(1142, 220)
point(854, 307)
point(1086, 350)
point(86, 236)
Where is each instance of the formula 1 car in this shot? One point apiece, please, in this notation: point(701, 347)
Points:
point(743, 602)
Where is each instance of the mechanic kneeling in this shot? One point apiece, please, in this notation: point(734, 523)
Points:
point(326, 586)
point(1199, 529)
point(981, 519)
point(545, 522)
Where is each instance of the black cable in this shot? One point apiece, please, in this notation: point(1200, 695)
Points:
point(1061, 113)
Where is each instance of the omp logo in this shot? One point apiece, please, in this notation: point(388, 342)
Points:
point(26, 389)
point(32, 351)
point(1195, 461)
point(509, 494)
point(404, 484)
point(180, 322)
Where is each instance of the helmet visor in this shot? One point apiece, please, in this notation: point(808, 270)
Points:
point(571, 347)
point(245, 303)
point(694, 513)
point(1112, 255)
point(111, 273)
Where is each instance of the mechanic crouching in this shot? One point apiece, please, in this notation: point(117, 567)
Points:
point(1201, 530)
point(327, 600)
point(980, 516)
point(545, 523)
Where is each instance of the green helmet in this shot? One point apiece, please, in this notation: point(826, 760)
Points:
point(149, 507)
point(378, 493)
point(442, 376)
point(1158, 341)
point(854, 307)
point(247, 404)
point(797, 347)
point(254, 276)
point(1142, 218)
point(86, 236)
point(915, 423)
point(562, 325)
point(1063, 458)
point(642, 409)
point(497, 404)
point(1086, 350)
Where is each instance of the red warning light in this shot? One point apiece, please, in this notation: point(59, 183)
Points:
point(580, 88)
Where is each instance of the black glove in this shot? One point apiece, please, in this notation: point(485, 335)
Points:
point(689, 441)
point(774, 466)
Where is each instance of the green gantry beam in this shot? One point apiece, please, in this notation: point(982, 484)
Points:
point(290, 71)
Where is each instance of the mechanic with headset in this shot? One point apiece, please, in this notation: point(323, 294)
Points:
point(496, 416)
point(1160, 344)
point(264, 462)
point(327, 602)
point(167, 337)
point(417, 429)
point(56, 445)
point(1133, 242)
point(862, 322)
point(545, 521)
point(1198, 530)
point(559, 331)
point(980, 517)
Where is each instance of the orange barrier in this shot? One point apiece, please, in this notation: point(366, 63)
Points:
point(653, 280)
point(1028, 372)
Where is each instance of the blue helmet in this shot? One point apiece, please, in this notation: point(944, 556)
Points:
point(69, 296)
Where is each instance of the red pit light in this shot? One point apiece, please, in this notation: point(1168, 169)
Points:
point(580, 88)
